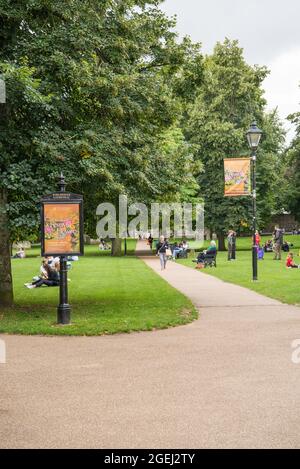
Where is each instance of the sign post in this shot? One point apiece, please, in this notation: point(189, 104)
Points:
point(62, 236)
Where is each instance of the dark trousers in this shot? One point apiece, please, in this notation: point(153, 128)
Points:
point(42, 281)
point(277, 251)
point(233, 251)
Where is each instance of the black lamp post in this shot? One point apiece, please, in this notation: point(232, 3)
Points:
point(64, 210)
point(63, 309)
point(253, 136)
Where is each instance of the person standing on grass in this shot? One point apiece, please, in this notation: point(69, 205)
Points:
point(278, 241)
point(257, 239)
point(230, 245)
point(233, 253)
point(161, 249)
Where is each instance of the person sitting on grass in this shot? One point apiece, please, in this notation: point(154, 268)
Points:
point(43, 272)
point(290, 264)
point(268, 247)
point(49, 276)
point(102, 245)
point(286, 246)
point(52, 260)
point(209, 252)
point(20, 254)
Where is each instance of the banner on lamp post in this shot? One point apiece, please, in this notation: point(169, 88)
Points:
point(237, 173)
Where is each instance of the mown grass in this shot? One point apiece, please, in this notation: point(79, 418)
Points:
point(108, 295)
point(274, 279)
point(242, 244)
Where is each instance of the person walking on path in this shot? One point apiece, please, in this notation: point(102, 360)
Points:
point(161, 249)
point(150, 241)
point(278, 241)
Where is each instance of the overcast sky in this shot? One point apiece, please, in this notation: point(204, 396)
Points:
point(268, 30)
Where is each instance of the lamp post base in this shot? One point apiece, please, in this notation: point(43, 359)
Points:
point(254, 263)
point(64, 314)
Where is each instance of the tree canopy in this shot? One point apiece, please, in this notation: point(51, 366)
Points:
point(95, 89)
point(105, 92)
point(229, 98)
point(291, 181)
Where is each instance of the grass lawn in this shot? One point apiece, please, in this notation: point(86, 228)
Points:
point(246, 243)
point(108, 295)
point(274, 279)
point(242, 244)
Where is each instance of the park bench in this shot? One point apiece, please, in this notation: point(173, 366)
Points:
point(210, 260)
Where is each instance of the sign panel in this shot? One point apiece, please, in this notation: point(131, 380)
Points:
point(237, 173)
point(62, 225)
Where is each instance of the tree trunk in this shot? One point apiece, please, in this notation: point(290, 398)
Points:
point(6, 286)
point(221, 242)
point(116, 247)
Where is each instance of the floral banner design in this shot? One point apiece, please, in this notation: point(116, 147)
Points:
point(237, 176)
point(61, 228)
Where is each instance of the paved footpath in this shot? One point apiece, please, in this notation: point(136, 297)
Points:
point(226, 380)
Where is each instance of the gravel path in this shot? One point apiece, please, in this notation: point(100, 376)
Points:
point(226, 380)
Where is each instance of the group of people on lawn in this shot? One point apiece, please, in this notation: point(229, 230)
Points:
point(165, 250)
point(49, 270)
point(276, 245)
point(49, 274)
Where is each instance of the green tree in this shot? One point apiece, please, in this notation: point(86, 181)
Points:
point(292, 171)
point(23, 173)
point(92, 87)
point(229, 98)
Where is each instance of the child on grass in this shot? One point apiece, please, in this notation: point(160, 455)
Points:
point(290, 264)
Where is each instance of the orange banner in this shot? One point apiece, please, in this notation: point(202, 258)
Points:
point(61, 227)
point(237, 173)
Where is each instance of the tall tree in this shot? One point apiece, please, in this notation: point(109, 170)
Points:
point(292, 171)
point(229, 98)
point(90, 91)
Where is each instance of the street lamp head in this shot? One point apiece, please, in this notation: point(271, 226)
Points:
point(253, 136)
point(62, 183)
